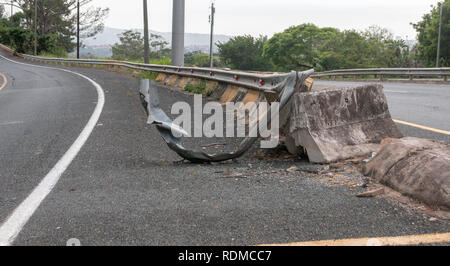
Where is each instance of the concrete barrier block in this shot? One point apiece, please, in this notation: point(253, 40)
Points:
point(339, 124)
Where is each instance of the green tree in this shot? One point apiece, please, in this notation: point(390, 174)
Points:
point(427, 30)
point(308, 46)
point(298, 47)
point(347, 49)
point(199, 59)
point(244, 53)
point(56, 22)
point(131, 46)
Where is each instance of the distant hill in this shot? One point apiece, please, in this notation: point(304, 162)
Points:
point(100, 45)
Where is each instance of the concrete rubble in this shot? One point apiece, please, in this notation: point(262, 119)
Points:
point(417, 168)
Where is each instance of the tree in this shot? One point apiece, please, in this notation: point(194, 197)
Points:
point(427, 30)
point(57, 18)
point(131, 46)
point(298, 47)
point(158, 44)
point(244, 53)
point(199, 59)
point(308, 46)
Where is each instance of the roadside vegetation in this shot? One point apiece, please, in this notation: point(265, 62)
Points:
point(131, 48)
point(198, 88)
point(309, 46)
point(55, 24)
point(296, 48)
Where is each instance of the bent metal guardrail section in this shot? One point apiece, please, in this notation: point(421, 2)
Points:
point(281, 85)
point(330, 125)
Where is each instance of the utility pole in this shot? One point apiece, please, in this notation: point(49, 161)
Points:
point(211, 44)
point(178, 32)
point(78, 29)
point(439, 37)
point(35, 27)
point(10, 18)
point(146, 39)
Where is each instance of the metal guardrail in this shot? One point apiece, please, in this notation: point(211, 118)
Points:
point(268, 82)
point(382, 72)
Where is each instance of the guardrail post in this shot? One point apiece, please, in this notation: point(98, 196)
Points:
point(381, 77)
point(411, 77)
point(445, 78)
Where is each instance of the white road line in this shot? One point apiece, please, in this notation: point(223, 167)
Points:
point(11, 123)
point(392, 91)
point(20, 216)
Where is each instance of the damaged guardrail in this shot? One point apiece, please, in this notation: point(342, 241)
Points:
point(156, 116)
point(329, 125)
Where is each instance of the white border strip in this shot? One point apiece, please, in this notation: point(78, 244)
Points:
point(20, 216)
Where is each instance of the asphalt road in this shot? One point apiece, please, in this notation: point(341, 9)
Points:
point(125, 187)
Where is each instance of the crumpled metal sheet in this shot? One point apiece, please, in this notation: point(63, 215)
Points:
point(157, 117)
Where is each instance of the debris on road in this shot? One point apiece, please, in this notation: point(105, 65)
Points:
point(234, 175)
point(371, 193)
point(292, 169)
point(370, 158)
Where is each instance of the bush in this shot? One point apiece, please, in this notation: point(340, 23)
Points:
point(149, 75)
point(198, 88)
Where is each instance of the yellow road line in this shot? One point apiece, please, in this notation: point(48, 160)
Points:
point(5, 81)
point(378, 241)
point(440, 131)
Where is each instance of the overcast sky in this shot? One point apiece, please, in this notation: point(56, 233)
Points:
point(235, 17)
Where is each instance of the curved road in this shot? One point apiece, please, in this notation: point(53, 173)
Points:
point(123, 187)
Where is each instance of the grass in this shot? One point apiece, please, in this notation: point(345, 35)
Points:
point(162, 61)
point(199, 88)
point(148, 75)
point(49, 55)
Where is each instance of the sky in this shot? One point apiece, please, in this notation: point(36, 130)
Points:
point(267, 17)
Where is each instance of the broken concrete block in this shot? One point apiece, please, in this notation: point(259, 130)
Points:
point(339, 124)
point(415, 167)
